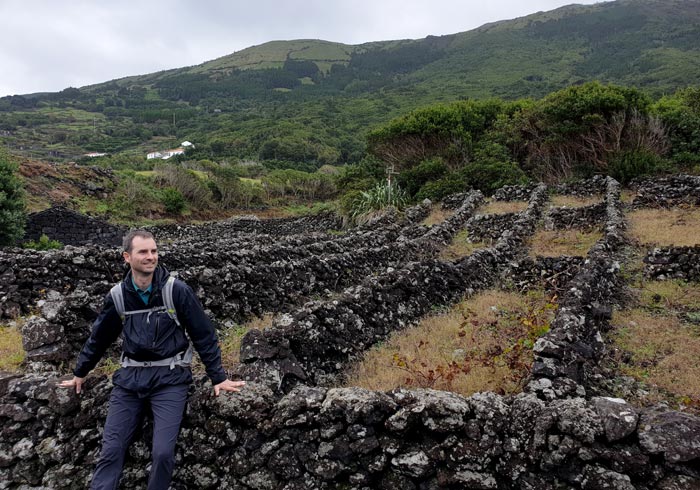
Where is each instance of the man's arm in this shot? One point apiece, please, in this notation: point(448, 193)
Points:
point(105, 330)
point(203, 335)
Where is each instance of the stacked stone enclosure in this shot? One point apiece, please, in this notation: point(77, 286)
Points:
point(337, 295)
point(71, 228)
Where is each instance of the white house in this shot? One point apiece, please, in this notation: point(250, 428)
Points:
point(171, 153)
point(165, 154)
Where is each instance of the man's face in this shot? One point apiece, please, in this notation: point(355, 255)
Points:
point(143, 257)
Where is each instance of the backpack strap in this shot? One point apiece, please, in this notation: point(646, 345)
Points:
point(118, 298)
point(168, 301)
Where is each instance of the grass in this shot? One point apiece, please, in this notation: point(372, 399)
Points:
point(561, 200)
point(437, 215)
point(502, 207)
point(483, 343)
point(661, 351)
point(563, 242)
point(460, 247)
point(664, 227)
point(11, 350)
point(673, 295)
point(230, 339)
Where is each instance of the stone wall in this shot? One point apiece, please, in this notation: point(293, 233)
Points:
point(565, 356)
point(319, 438)
point(673, 263)
point(71, 228)
point(252, 224)
point(287, 431)
point(666, 192)
point(342, 328)
point(589, 187)
point(559, 218)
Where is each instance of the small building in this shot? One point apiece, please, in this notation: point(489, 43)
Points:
point(171, 153)
point(94, 154)
point(154, 154)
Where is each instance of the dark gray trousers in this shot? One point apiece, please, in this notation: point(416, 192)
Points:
point(126, 410)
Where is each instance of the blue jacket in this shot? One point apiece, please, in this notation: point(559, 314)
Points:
point(153, 337)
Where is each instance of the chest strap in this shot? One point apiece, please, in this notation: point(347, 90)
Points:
point(182, 359)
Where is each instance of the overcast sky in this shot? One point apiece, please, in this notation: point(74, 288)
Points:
point(48, 45)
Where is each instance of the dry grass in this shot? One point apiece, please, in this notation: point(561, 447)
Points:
point(561, 200)
point(502, 207)
point(230, 339)
point(460, 247)
point(482, 344)
point(11, 350)
point(661, 351)
point(563, 242)
point(437, 215)
point(663, 227)
point(627, 195)
point(670, 295)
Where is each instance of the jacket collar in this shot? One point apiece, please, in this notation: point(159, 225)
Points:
point(160, 276)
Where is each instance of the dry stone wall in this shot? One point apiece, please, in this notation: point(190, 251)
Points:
point(288, 431)
point(673, 263)
point(314, 344)
point(71, 228)
point(560, 218)
point(564, 356)
point(666, 192)
point(320, 438)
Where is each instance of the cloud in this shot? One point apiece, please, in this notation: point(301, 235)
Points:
point(49, 45)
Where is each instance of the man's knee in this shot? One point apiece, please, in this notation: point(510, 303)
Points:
point(112, 452)
point(163, 454)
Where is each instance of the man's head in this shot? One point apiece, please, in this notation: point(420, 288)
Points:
point(140, 251)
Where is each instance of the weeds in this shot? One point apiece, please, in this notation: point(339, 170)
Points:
point(563, 242)
point(11, 350)
point(502, 207)
point(484, 343)
point(460, 247)
point(380, 197)
point(665, 227)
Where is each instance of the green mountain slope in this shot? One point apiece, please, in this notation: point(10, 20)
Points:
point(312, 102)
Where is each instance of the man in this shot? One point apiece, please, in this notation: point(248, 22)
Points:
point(155, 360)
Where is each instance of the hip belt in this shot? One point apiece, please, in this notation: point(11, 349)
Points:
point(182, 359)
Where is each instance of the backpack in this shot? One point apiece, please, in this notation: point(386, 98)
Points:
point(168, 303)
point(182, 359)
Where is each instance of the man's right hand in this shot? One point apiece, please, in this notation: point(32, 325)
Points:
point(70, 383)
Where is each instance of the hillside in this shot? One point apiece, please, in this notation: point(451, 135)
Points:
point(311, 102)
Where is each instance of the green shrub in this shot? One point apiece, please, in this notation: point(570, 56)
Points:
point(490, 175)
point(439, 189)
point(428, 170)
point(44, 243)
point(173, 200)
point(12, 215)
point(627, 165)
point(380, 197)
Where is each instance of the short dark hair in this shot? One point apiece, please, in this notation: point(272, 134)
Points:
point(129, 238)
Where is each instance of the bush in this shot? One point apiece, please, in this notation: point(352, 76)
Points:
point(44, 243)
point(627, 165)
point(380, 197)
point(12, 215)
point(413, 179)
point(439, 189)
point(490, 175)
point(173, 200)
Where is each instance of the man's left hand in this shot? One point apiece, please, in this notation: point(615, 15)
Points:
point(228, 385)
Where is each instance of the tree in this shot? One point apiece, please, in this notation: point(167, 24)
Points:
point(12, 215)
